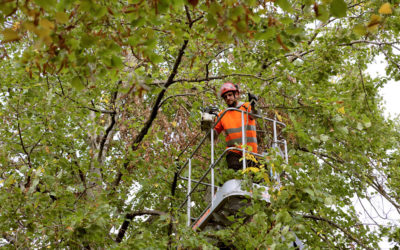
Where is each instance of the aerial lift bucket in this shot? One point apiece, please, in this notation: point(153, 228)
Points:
point(231, 196)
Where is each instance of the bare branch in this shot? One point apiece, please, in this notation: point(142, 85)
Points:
point(390, 59)
point(318, 30)
point(366, 211)
point(223, 77)
point(370, 42)
point(209, 62)
point(80, 105)
point(346, 232)
point(324, 238)
point(173, 96)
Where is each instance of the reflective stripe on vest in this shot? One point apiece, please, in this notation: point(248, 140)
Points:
point(239, 130)
point(231, 143)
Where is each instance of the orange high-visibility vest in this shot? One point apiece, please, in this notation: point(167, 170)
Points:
point(231, 123)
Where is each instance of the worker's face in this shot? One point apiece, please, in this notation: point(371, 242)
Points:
point(230, 98)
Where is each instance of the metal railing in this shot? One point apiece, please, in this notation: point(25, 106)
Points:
point(276, 143)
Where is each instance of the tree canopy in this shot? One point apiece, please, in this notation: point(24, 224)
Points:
point(99, 98)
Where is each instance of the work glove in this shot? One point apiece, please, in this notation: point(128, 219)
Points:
point(208, 117)
point(252, 99)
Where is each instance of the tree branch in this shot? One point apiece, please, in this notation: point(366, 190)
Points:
point(173, 96)
point(347, 233)
point(363, 85)
point(370, 42)
point(209, 62)
point(110, 127)
point(390, 59)
point(80, 105)
point(223, 77)
point(370, 179)
point(156, 105)
point(130, 217)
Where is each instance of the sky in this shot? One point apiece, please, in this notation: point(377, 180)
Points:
point(390, 91)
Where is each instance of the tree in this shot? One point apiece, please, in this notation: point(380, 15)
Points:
point(98, 98)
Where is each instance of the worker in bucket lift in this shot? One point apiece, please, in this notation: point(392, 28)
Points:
point(231, 123)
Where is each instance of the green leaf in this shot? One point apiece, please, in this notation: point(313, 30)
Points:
point(285, 5)
point(284, 217)
point(87, 41)
point(46, 4)
point(223, 36)
point(116, 61)
point(323, 13)
point(77, 83)
point(324, 138)
point(266, 35)
point(360, 30)
point(344, 130)
point(338, 8)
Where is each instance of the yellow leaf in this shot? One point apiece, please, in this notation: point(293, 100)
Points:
point(173, 124)
point(278, 116)
point(385, 9)
point(250, 169)
point(16, 26)
point(251, 158)
point(374, 22)
point(46, 24)
point(253, 169)
point(61, 17)
point(341, 110)
point(266, 178)
point(9, 35)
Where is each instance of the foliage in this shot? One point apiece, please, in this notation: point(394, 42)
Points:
point(99, 98)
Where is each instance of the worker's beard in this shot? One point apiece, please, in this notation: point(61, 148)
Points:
point(233, 105)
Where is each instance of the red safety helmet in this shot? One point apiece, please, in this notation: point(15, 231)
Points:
point(226, 87)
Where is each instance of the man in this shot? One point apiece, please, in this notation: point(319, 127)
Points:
point(231, 123)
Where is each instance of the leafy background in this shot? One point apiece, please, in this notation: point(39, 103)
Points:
point(99, 98)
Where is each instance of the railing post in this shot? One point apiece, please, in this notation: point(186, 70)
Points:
point(286, 153)
point(243, 140)
point(212, 169)
point(275, 136)
point(275, 143)
point(188, 191)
